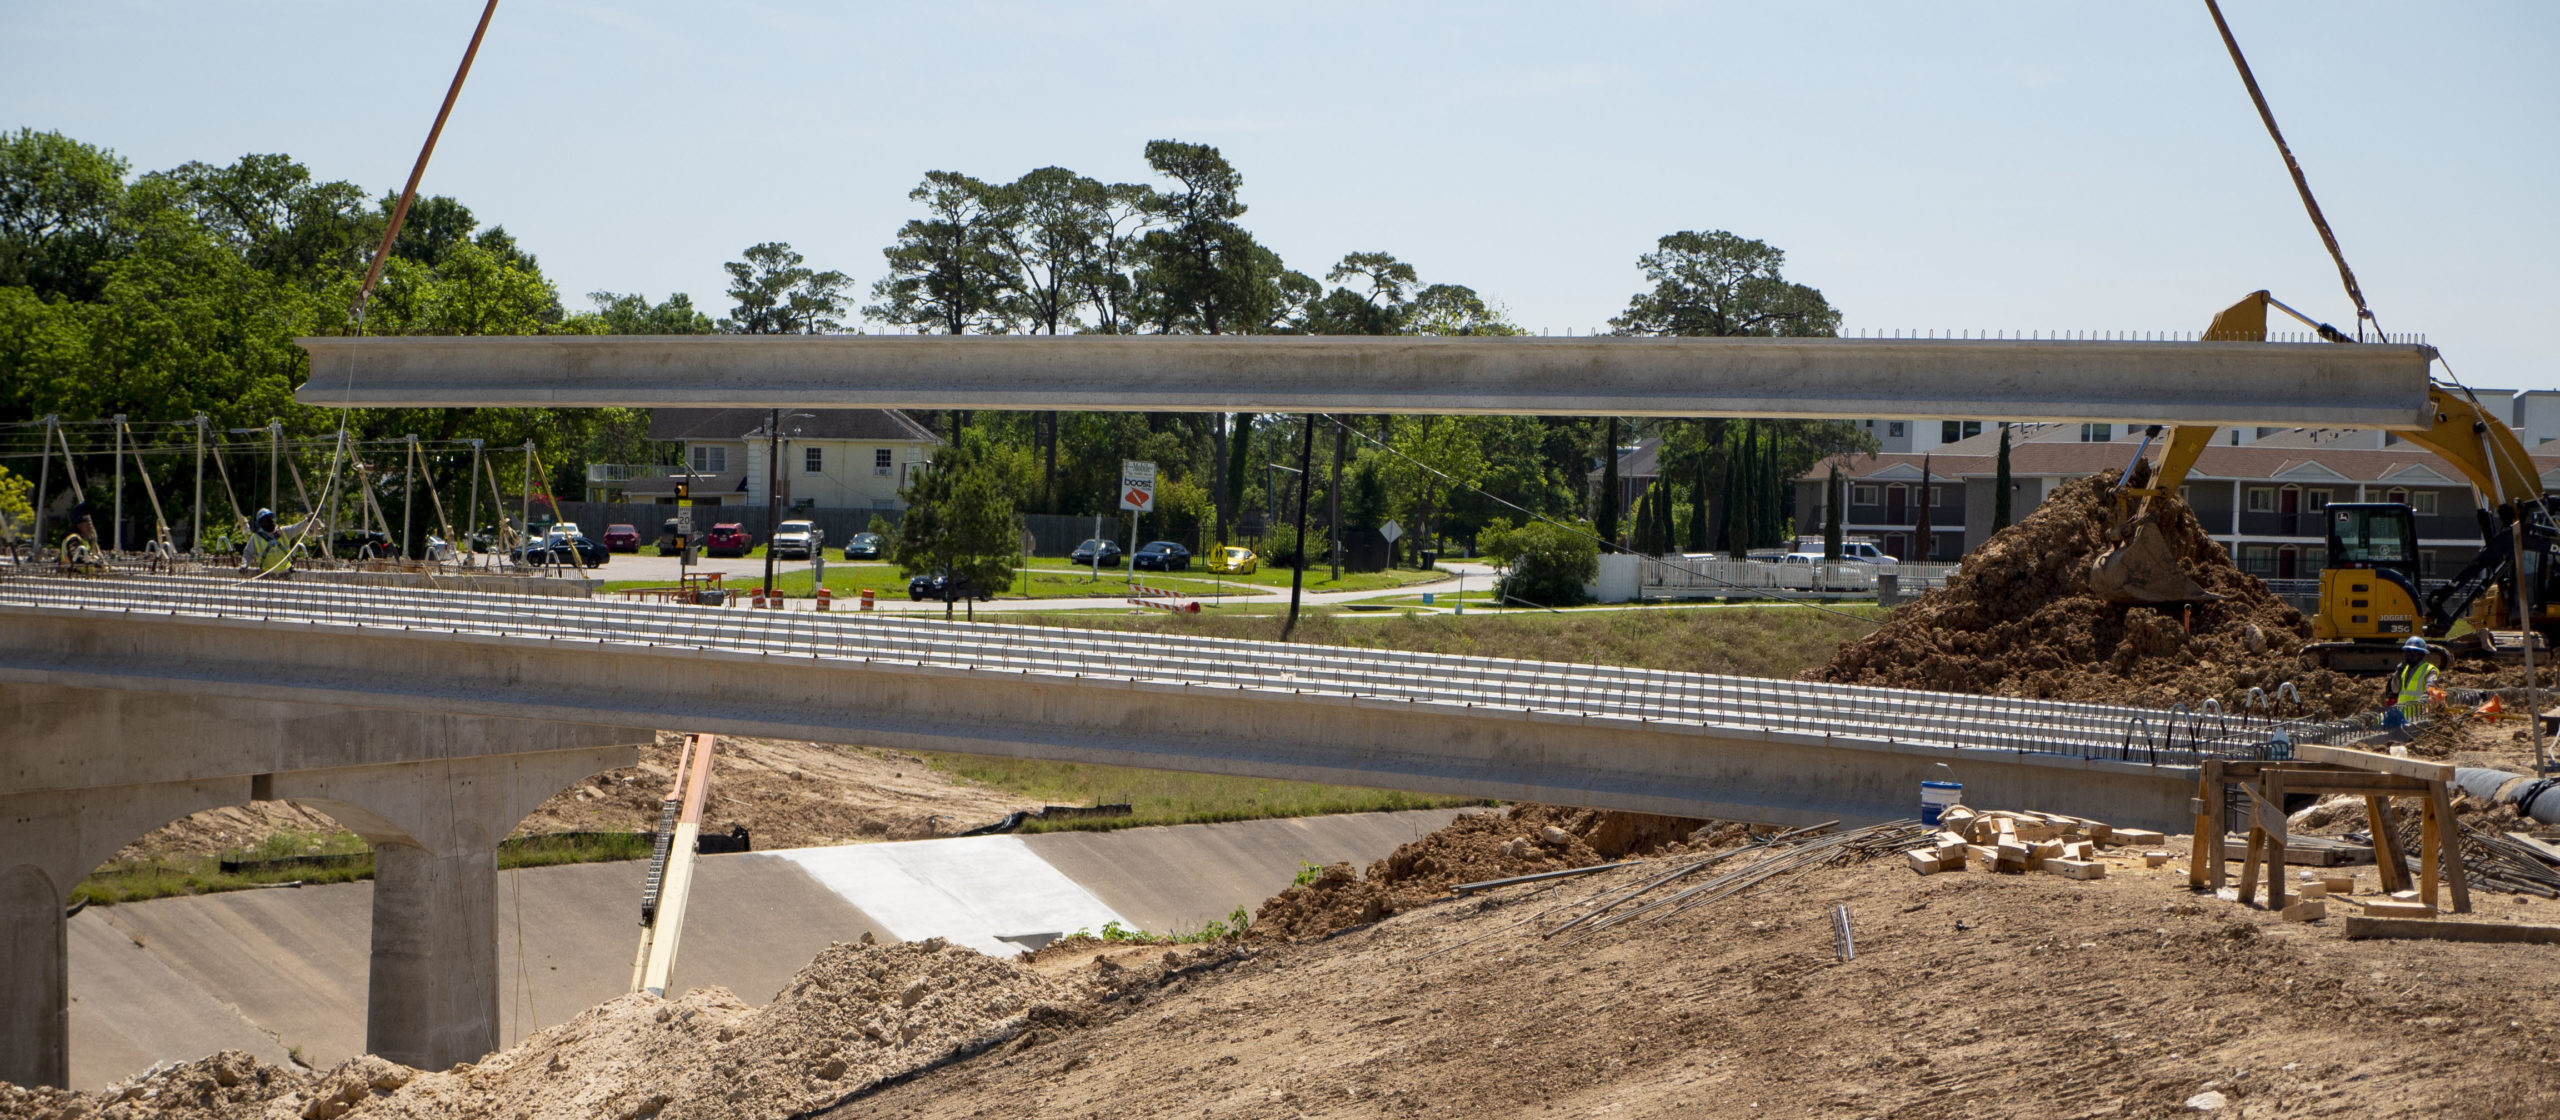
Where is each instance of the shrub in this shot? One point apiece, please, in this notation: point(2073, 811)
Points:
point(1544, 563)
point(1280, 547)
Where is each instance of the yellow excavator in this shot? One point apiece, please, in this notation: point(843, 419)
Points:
point(2370, 598)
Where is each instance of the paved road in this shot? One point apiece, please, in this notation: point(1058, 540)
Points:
point(267, 971)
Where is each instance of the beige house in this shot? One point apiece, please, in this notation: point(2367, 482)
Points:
point(833, 458)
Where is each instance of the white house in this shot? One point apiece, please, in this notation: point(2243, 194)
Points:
point(831, 458)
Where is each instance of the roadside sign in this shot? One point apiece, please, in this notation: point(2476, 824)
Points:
point(1391, 531)
point(1137, 486)
point(684, 517)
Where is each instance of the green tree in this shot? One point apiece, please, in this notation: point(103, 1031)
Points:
point(1048, 227)
point(280, 219)
point(1720, 285)
point(2000, 483)
point(776, 293)
point(59, 202)
point(1456, 310)
point(960, 521)
point(632, 313)
point(1607, 517)
point(947, 272)
point(17, 512)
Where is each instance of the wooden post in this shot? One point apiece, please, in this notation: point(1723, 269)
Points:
point(2204, 867)
point(2430, 850)
point(2270, 815)
point(2449, 846)
point(2386, 844)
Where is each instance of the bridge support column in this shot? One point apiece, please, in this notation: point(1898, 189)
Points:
point(48, 842)
point(432, 990)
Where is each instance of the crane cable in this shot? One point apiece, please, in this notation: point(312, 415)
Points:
point(2301, 182)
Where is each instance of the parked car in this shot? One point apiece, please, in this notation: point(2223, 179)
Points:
point(1084, 554)
point(1160, 556)
point(361, 544)
point(1228, 559)
point(942, 588)
point(622, 538)
point(1866, 552)
point(557, 547)
point(794, 540)
point(670, 541)
point(439, 549)
point(728, 538)
point(864, 546)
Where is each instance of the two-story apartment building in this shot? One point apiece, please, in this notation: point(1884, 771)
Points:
point(832, 458)
point(2261, 500)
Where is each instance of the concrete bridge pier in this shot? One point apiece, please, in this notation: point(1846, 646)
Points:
point(432, 992)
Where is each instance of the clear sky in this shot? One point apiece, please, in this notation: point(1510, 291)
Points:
point(1948, 165)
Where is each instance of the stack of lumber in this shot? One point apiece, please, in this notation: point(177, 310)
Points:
point(2015, 843)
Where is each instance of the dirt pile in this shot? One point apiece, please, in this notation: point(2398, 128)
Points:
point(1479, 846)
point(857, 1015)
point(230, 1085)
point(2019, 619)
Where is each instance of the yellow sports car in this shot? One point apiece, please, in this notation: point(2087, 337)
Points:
point(1230, 560)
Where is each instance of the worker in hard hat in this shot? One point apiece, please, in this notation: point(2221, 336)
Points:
point(268, 554)
point(2406, 690)
point(80, 545)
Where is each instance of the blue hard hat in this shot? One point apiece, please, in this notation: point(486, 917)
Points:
point(2414, 645)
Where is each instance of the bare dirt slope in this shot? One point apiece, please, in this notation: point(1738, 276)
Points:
point(1973, 995)
point(786, 794)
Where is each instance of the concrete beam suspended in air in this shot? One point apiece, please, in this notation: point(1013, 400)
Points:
point(2232, 383)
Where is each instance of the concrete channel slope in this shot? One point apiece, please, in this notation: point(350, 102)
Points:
point(273, 972)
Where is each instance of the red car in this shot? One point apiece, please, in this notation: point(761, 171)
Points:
point(621, 538)
point(728, 539)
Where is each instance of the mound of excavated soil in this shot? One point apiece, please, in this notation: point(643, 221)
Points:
point(1525, 841)
point(2019, 620)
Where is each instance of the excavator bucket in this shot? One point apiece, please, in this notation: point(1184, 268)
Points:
point(2140, 570)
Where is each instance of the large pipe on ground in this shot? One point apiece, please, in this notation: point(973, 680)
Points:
point(2538, 798)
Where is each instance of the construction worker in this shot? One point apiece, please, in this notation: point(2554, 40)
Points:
point(79, 546)
point(268, 554)
point(2406, 690)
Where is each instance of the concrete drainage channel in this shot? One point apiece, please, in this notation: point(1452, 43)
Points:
point(274, 971)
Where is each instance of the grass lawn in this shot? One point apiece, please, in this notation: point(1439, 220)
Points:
point(1751, 641)
point(1168, 797)
point(166, 876)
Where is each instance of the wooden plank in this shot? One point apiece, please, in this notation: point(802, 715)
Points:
point(2308, 851)
point(2368, 760)
point(2249, 865)
point(2448, 834)
point(2386, 845)
point(2394, 908)
point(2352, 781)
point(2549, 852)
point(2512, 933)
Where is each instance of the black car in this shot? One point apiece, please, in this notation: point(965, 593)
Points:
point(361, 544)
point(942, 589)
point(554, 548)
point(1161, 556)
point(863, 546)
point(1084, 554)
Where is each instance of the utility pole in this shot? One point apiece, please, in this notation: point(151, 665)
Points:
point(1298, 570)
point(195, 533)
point(115, 534)
point(408, 494)
point(524, 522)
point(44, 478)
point(471, 520)
point(1333, 501)
point(773, 490)
point(275, 461)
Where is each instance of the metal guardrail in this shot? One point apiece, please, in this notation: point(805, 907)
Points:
point(1747, 705)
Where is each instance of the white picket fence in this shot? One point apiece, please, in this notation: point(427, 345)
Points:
point(1707, 576)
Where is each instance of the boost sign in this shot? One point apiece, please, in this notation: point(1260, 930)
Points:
point(1137, 486)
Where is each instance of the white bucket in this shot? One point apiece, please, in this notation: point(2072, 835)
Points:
point(1936, 797)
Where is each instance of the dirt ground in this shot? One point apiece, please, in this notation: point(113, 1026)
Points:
point(786, 794)
point(1972, 995)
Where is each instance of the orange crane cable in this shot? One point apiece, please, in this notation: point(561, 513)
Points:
point(409, 193)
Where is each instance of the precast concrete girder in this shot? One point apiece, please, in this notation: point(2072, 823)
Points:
point(2224, 383)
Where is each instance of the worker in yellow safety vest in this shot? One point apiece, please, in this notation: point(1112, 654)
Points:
point(2406, 691)
point(80, 545)
point(268, 554)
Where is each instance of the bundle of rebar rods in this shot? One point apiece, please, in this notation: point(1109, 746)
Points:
point(2491, 861)
point(1782, 854)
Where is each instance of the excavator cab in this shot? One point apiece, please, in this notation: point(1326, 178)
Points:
point(2369, 588)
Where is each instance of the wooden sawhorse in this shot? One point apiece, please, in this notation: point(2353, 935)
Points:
point(2316, 769)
